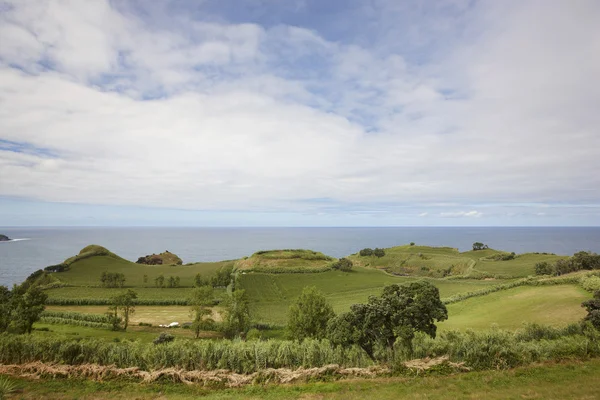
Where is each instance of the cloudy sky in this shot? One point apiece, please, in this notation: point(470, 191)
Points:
point(299, 112)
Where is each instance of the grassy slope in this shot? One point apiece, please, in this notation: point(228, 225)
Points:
point(87, 272)
point(509, 309)
point(574, 380)
point(272, 294)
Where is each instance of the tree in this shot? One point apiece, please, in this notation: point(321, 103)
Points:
point(222, 277)
point(145, 279)
point(366, 252)
point(308, 317)
point(544, 268)
point(171, 282)
point(586, 260)
point(379, 252)
point(593, 308)
point(236, 315)
point(397, 314)
point(201, 302)
point(28, 305)
point(479, 246)
point(343, 264)
point(200, 281)
point(159, 281)
point(5, 308)
point(121, 308)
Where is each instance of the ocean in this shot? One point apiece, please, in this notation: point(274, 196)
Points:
point(40, 247)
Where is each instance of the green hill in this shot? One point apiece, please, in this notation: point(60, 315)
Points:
point(85, 269)
point(286, 261)
point(439, 262)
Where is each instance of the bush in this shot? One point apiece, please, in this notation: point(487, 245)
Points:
point(412, 243)
point(164, 338)
point(366, 252)
point(479, 246)
point(343, 264)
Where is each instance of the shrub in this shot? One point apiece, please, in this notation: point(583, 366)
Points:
point(164, 338)
point(590, 283)
point(7, 387)
point(479, 246)
point(412, 243)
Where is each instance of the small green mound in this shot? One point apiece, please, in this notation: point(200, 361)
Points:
point(166, 258)
point(286, 261)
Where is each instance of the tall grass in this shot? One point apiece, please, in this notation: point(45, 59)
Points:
point(494, 349)
point(105, 302)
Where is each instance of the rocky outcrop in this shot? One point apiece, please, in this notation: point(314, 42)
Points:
point(166, 258)
point(4, 238)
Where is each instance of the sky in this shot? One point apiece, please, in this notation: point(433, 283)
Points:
point(299, 113)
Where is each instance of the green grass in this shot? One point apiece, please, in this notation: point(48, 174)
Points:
point(272, 294)
point(281, 261)
point(87, 271)
point(572, 380)
point(523, 265)
point(509, 309)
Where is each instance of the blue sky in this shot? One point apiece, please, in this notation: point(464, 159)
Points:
point(299, 113)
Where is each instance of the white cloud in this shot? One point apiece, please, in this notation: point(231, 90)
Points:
point(203, 115)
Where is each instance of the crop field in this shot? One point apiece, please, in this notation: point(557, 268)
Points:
point(510, 309)
point(87, 272)
point(272, 294)
point(154, 315)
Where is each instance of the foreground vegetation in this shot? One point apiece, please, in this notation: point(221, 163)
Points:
point(567, 380)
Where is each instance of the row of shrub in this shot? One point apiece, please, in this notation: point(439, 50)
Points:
point(101, 318)
point(582, 260)
point(105, 302)
point(494, 349)
point(75, 322)
point(377, 252)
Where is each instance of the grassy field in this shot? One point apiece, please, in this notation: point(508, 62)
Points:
point(97, 293)
point(272, 294)
point(154, 315)
point(87, 272)
point(573, 380)
point(509, 309)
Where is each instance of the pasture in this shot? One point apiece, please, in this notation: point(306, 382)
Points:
point(509, 309)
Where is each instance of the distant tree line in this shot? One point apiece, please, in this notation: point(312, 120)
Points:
point(112, 279)
point(221, 278)
point(582, 260)
point(377, 252)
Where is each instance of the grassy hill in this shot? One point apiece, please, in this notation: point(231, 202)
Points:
point(286, 261)
point(85, 269)
point(438, 262)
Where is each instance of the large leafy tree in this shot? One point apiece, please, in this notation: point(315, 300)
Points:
point(593, 308)
point(236, 315)
point(121, 308)
point(201, 302)
point(308, 317)
point(5, 308)
point(396, 315)
point(28, 303)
